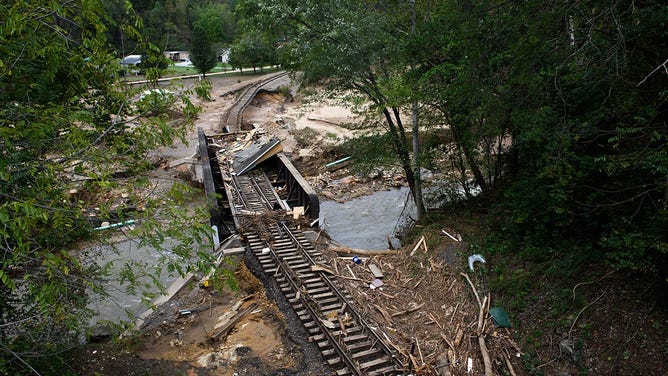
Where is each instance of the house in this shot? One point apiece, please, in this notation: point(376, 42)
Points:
point(224, 55)
point(177, 56)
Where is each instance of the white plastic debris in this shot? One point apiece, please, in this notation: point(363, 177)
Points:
point(375, 284)
point(265, 250)
point(469, 365)
point(474, 258)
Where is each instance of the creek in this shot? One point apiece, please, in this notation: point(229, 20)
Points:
point(122, 305)
point(366, 222)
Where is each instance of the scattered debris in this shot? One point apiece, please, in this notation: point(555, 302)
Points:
point(297, 212)
point(365, 252)
point(474, 258)
point(375, 271)
point(252, 153)
point(420, 242)
point(458, 237)
point(500, 317)
point(320, 268)
point(107, 225)
point(227, 323)
point(376, 283)
point(337, 164)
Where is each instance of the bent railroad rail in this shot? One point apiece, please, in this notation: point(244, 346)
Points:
point(232, 120)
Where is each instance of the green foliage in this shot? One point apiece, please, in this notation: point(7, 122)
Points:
point(369, 152)
point(252, 50)
point(202, 49)
point(210, 29)
point(153, 63)
point(560, 128)
point(203, 89)
point(68, 133)
point(155, 101)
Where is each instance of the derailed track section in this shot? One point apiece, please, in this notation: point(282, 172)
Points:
point(348, 344)
point(254, 186)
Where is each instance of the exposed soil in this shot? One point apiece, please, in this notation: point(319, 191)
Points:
point(427, 309)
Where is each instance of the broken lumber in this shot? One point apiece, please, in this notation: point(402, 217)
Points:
point(375, 270)
point(413, 309)
point(419, 243)
point(457, 239)
point(222, 331)
point(319, 268)
point(367, 252)
point(383, 312)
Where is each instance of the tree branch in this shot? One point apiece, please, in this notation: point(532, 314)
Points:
point(662, 65)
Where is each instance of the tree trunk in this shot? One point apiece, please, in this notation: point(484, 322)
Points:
point(417, 196)
point(470, 158)
point(419, 204)
point(400, 144)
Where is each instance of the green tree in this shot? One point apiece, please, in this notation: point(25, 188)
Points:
point(154, 63)
point(547, 111)
point(69, 132)
point(207, 37)
point(252, 50)
point(351, 45)
point(202, 49)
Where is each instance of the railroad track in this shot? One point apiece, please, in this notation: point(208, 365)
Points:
point(233, 118)
point(349, 345)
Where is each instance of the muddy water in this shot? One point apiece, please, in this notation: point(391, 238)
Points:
point(367, 222)
point(122, 305)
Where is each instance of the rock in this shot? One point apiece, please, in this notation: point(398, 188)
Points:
point(567, 346)
point(243, 350)
point(328, 194)
point(310, 235)
point(442, 364)
point(349, 180)
point(100, 333)
point(375, 174)
point(426, 175)
point(206, 360)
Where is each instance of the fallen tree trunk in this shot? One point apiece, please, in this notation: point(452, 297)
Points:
point(365, 252)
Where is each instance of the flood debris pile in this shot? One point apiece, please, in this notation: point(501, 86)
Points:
point(429, 307)
point(425, 304)
point(342, 185)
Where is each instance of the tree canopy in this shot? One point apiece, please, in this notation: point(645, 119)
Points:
point(69, 131)
point(556, 112)
point(210, 29)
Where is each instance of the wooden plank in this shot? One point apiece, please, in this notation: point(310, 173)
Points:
point(228, 326)
point(376, 271)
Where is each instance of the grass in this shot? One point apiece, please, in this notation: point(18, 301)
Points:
point(174, 71)
point(185, 71)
